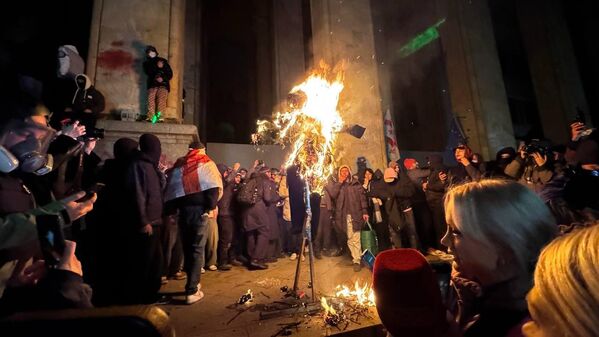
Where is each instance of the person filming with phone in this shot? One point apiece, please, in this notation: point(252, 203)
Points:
point(45, 273)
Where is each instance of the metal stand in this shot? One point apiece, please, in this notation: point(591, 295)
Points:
point(295, 303)
point(306, 239)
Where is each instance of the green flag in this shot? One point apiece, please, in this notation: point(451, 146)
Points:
point(419, 41)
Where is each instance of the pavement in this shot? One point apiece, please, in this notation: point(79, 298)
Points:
point(217, 314)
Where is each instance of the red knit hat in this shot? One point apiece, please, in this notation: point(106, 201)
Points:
point(409, 163)
point(408, 298)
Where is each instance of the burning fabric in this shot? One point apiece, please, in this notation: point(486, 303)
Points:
point(348, 305)
point(310, 124)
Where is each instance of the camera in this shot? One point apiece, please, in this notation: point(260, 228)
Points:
point(538, 147)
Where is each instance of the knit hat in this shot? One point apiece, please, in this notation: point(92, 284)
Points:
point(410, 163)
point(408, 299)
point(390, 175)
point(264, 169)
point(587, 152)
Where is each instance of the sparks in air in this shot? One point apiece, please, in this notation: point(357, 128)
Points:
point(309, 124)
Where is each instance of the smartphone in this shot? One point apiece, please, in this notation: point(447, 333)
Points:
point(96, 188)
point(443, 274)
point(368, 258)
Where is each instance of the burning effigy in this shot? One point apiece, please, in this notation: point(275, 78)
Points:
point(309, 124)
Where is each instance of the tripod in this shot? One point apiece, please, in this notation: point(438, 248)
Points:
point(307, 239)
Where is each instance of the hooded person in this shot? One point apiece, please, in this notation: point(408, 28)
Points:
point(87, 103)
point(144, 184)
point(103, 226)
point(497, 167)
point(159, 73)
point(194, 187)
point(351, 210)
point(255, 216)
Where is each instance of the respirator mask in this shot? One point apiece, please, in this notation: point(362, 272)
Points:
point(24, 145)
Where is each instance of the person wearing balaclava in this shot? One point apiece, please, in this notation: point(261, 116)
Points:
point(159, 74)
point(144, 191)
point(87, 103)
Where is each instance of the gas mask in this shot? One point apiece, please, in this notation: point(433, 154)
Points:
point(24, 145)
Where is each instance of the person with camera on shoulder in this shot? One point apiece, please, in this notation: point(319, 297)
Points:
point(531, 167)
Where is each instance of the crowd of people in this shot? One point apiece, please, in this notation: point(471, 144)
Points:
point(141, 223)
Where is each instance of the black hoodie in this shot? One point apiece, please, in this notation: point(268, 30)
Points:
point(145, 183)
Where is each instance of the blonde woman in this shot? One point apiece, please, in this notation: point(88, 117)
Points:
point(565, 298)
point(495, 230)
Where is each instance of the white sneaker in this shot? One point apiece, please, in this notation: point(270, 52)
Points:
point(191, 299)
point(293, 257)
point(203, 271)
point(213, 268)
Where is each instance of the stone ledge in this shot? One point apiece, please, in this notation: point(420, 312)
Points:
point(175, 138)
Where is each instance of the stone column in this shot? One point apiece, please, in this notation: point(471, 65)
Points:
point(553, 66)
point(120, 32)
point(288, 45)
point(477, 91)
point(343, 32)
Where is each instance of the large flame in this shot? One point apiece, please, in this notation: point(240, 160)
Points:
point(363, 295)
point(310, 124)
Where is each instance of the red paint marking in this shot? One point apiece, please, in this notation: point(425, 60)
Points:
point(118, 43)
point(115, 59)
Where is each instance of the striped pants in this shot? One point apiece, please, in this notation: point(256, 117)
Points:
point(157, 98)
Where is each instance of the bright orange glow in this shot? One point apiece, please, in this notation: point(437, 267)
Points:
point(310, 125)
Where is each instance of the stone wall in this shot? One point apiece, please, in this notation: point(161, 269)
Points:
point(120, 32)
point(175, 138)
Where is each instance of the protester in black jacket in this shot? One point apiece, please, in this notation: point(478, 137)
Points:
point(87, 103)
point(378, 218)
point(144, 186)
point(225, 219)
point(256, 219)
point(106, 229)
point(422, 213)
point(434, 189)
point(159, 74)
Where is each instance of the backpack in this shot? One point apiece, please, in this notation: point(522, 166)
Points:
point(248, 193)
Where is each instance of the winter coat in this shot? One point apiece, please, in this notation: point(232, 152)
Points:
point(271, 207)
point(151, 69)
point(296, 199)
point(529, 174)
point(87, 98)
point(144, 186)
point(349, 199)
point(257, 215)
point(416, 176)
point(226, 204)
point(396, 197)
point(284, 194)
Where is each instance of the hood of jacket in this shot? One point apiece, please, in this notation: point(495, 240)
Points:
point(150, 147)
point(350, 176)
